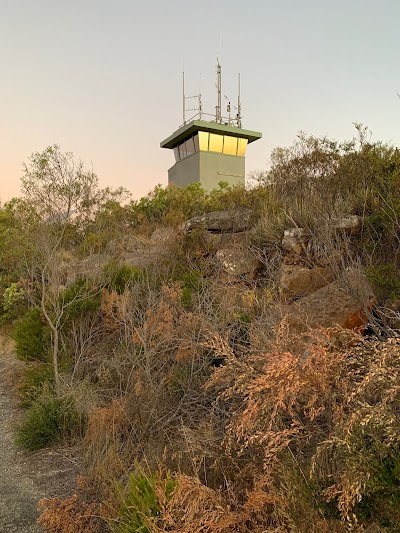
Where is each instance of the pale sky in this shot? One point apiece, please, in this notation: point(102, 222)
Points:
point(102, 78)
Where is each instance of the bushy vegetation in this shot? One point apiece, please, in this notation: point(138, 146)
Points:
point(143, 498)
point(257, 427)
point(31, 337)
point(48, 420)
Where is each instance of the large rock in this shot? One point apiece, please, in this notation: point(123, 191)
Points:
point(238, 261)
point(344, 302)
point(163, 234)
point(350, 224)
point(297, 280)
point(235, 221)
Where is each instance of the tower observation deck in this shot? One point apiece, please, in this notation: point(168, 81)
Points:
point(208, 152)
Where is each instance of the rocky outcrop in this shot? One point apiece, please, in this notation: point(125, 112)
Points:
point(350, 224)
point(238, 261)
point(344, 302)
point(297, 280)
point(234, 221)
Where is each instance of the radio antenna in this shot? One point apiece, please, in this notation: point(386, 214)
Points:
point(239, 108)
point(218, 115)
point(183, 98)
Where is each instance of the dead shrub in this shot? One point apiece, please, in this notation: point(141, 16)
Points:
point(71, 515)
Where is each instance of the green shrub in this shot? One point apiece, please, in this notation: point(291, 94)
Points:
point(192, 283)
point(119, 276)
point(79, 298)
point(385, 281)
point(31, 337)
point(38, 378)
point(13, 302)
point(382, 503)
point(141, 506)
point(49, 420)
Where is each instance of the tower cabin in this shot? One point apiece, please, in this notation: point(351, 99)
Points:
point(208, 152)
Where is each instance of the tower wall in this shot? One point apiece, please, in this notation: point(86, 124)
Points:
point(185, 172)
point(221, 167)
point(209, 169)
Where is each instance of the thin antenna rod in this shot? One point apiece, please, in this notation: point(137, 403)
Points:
point(218, 117)
point(183, 98)
point(239, 114)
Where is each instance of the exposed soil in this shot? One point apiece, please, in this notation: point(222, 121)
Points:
point(25, 478)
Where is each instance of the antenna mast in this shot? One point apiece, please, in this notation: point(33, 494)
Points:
point(184, 98)
point(239, 108)
point(218, 116)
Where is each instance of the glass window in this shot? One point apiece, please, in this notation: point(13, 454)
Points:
point(176, 152)
point(230, 145)
point(203, 140)
point(189, 147)
point(196, 143)
point(242, 144)
point(216, 142)
point(182, 151)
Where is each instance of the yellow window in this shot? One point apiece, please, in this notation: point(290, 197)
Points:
point(216, 142)
point(203, 140)
point(242, 144)
point(230, 145)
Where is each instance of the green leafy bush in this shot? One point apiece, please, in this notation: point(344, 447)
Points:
point(192, 283)
point(38, 378)
point(382, 502)
point(141, 502)
point(14, 302)
point(49, 420)
point(385, 280)
point(79, 298)
point(31, 337)
point(119, 276)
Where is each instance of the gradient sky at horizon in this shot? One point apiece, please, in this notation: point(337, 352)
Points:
point(102, 78)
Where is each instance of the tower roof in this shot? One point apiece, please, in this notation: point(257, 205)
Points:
point(212, 127)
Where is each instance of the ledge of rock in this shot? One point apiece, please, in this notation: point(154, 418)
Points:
point(344, 302)
point(296, 280)
point(238, 261)
point(235, 221)
point(351, 224)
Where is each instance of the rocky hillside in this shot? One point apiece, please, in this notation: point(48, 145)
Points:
point(226, 361)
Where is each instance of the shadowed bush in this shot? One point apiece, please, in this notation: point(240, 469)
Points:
point(50, 420)
point(31, 337)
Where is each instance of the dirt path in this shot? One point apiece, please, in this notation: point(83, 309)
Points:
point(25, 478)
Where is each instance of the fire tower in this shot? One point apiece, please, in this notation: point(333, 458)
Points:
point(211, 151)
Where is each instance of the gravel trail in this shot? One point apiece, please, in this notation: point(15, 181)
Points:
point(25, 478)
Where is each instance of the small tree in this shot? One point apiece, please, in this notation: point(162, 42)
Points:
point(66, 198)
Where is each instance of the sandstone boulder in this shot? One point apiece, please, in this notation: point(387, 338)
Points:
point(297, 280)
point(235, 221)
point(344, 302)
point(351, 224)
point(238, 261)
point(161, 235)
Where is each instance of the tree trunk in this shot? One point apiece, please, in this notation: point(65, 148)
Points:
point(55, 358)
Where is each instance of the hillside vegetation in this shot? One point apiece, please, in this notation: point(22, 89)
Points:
point(221, 372)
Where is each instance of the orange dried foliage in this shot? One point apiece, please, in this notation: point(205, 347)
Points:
point(71, 515)
point(113, 308)
point(108, 420)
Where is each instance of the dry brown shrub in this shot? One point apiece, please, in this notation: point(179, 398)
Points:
point(107, 430)
point(325, 413)
point(71, 515)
